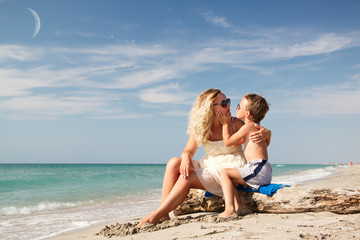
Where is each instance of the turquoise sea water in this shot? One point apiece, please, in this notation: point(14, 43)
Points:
point(48, 199)
point(27, 185)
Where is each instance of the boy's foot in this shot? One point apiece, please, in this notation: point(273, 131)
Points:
point(242, 212)
point(228, 214)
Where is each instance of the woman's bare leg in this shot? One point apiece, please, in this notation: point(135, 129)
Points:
point(176, 196)
point(170, 177)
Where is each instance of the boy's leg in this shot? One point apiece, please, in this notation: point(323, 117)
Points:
point(227, 178)
point(240, 209)
point(235, 176)
point(237, 201)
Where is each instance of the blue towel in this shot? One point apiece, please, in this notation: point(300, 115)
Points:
point(269, 190)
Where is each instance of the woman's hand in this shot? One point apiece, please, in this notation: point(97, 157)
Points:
point(223, 117)
point(262, 135)
point(185, 167)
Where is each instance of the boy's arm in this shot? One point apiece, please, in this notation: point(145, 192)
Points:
point(230, 138)
point(237, 138)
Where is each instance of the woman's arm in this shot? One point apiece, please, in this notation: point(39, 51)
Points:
point(262, 135)
point(187, 155)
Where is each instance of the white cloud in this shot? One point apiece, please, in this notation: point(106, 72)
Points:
point(356, 76)
point(42, 75)
point(146, 77)
point(95, 67)
point(129, 50)
point(45, 107)
point(16, 82)
point(176, 113)
point(168, 94)
point(122, 116)
point(259, 50)
point(19, 53)
point(216, 20)
point(67, 33)
point(333, 100)
point(89, 103)
point(323, 44)
point(36, 91)
point(65, 105)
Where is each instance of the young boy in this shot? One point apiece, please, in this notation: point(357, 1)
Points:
point(257, 171)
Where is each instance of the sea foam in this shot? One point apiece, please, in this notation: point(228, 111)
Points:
point(41, 207)
point(300, 177)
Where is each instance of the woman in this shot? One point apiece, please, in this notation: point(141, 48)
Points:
point(183, 173)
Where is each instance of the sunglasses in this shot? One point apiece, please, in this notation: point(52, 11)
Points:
point(238, 107)
point(224, 103)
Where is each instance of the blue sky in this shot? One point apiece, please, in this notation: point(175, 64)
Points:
point(112, 81)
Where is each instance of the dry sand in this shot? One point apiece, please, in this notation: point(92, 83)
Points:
point(324, 225)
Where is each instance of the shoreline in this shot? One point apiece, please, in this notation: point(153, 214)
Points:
point(335, 180)
point(310, 225)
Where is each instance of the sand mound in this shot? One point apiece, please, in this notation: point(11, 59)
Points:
point(130, 228)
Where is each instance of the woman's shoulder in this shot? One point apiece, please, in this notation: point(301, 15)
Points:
point(238, 123)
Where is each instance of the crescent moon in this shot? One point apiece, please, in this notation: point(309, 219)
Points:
point(37, 22)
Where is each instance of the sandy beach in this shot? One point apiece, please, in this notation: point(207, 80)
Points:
point(307, 225)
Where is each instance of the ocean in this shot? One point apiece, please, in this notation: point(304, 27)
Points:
point(43, 200)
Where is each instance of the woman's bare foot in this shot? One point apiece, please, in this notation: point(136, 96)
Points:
point(144, 222)
point(228, 214)
point(164, 218)
point(141, 223)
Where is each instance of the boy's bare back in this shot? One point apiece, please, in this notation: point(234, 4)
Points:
point(254, 151)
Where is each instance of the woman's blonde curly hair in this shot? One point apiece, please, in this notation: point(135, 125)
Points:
point(201, 116)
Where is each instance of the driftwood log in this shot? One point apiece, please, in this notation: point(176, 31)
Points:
point(295, 199)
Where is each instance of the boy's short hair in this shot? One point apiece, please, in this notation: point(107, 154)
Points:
point(257, 105)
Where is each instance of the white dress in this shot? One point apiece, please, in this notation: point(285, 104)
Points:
point(217, 157)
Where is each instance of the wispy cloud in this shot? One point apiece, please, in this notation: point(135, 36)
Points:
point(167, 94)
point(45, 76)
point(330, 100)
point(176, 113)
point(323, 44)
point(216, 20)
point(107, 116)
point(142, 78)
point(46, 107)
point(82, 34)
point(19, 53)
point(259, 50)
